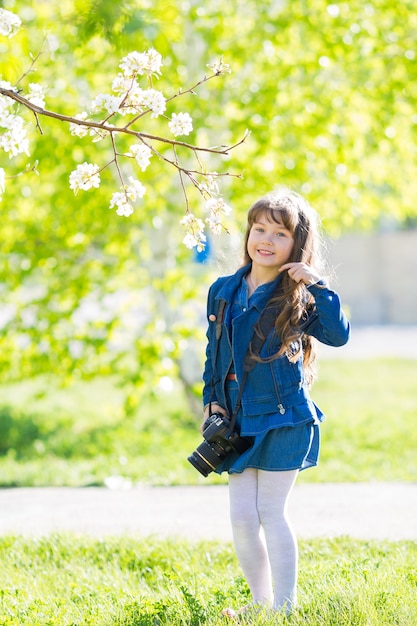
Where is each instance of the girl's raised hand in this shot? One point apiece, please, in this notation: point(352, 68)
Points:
point(301, 272)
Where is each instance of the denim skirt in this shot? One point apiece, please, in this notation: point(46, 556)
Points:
point(278, 449)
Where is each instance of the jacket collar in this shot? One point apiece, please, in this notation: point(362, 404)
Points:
point(232, 282)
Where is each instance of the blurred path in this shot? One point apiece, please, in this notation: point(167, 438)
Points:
point(361, 510)
point(372, 341)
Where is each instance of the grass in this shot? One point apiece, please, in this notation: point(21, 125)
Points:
point(66, 580)
point(81, 436)
point(369, 433)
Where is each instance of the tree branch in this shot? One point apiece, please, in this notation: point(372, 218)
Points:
point(17, 97)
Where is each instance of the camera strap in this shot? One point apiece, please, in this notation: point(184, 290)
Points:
point(266, 323)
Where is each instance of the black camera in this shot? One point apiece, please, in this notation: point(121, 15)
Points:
point(219, 442)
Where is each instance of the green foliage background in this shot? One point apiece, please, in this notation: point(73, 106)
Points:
point(328, 92)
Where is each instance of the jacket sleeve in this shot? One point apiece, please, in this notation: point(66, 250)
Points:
point(328, 323)
point(208, 366)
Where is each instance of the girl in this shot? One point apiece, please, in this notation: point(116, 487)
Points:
point(282, 268)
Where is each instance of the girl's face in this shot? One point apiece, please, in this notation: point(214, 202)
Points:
point(270, 243)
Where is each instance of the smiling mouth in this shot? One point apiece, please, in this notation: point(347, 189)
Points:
point(265, 252)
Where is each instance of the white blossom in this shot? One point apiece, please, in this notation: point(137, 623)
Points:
point(195, 236)
point(137, 99)
point(9, 23)
point(13, 139)
point(134, 63)
point(215, 224)
point(210, 185)
point(155, 101)
point(130, 192)
point(124, 208)
point(122, 84)
point(6, 85)
point(107, 102)
point(2, 182)
point(141, 153)
point(4, 110)
point(218, 67)
point(130, 92)
point(132, 101)
point(84, 177)
point(180, 124)
point(218, 206)
point(139, 63)
point(36, 95)
point(76, 129)
point(135, 190)
point(154, 61)
point(134, 98)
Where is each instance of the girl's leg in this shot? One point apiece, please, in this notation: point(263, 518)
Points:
point(274, 489)
point(246, 526)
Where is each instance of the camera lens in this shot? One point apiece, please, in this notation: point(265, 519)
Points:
point(200, 464)
point(207, 457)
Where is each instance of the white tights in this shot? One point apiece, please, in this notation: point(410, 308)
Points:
point(269, 559)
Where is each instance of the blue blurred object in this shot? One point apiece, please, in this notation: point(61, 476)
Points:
point(203, 256)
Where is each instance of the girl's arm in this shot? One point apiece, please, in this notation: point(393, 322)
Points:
point(208, 392)
point(209, 399)
point(328, 323)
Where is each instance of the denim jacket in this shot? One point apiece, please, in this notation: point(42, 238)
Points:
point(275, 391)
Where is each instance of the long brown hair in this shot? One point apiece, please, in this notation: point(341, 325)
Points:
point(292, 300)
